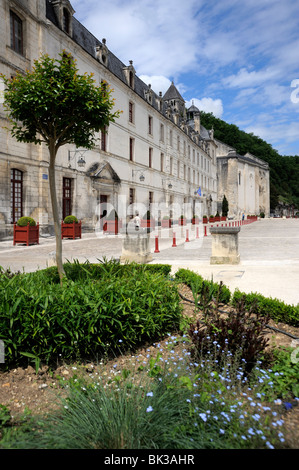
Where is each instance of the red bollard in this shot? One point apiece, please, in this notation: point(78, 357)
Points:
point(173, 240)
point(205, 231)
point(156, 245)
point(187, 235)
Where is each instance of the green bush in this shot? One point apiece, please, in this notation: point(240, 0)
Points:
point(197, 283)
point(45, 321)
point(69, 219)
point(83, 271)
point(278, 310)
point(23, 222)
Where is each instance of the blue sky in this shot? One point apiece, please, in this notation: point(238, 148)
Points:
point(239, 60)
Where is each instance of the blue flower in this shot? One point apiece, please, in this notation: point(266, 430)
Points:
point(149, 394)
point(149, 409)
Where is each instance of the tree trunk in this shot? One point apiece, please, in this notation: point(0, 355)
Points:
point(57, 226)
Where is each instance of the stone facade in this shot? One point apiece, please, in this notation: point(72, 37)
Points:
point(244, 180)
point(155, 136)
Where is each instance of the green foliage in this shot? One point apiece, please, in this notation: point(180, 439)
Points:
point(23, 222)
point(284, 170)
point(43, 321)
point(201, 286)
point(278, 310)
point(282, 376)
point(224, 206)
point(240, 333)
point(69, 219)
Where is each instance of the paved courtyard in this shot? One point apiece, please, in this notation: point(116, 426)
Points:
point(269, 255)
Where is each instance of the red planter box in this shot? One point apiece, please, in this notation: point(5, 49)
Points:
point(71, 230)
point(166, 223)
point(204, 220)
point(212, 219)
point(216, 219)
point(195, 220)
point(148, 223)
point(182, 221)
point(223, 219)
point(28, 235)
point(112, 226)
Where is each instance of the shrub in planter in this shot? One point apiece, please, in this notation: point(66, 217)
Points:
point(195, 219)
point(112, 223)
point(69, 219)
point(70, 227)
point(205, 219)
point(182, 220)
point(147, 220)
point(26, 231)
point(211, 219)
point(166, 221)
point(217, 217)
point(24, 221)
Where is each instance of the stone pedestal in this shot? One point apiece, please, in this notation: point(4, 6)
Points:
point(225, 245)
point(136, 247)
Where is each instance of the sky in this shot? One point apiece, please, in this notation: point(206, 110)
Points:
point(236, 59)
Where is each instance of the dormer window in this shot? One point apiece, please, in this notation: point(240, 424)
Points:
point(129, 72)
point(66, 21)
point(64, 13)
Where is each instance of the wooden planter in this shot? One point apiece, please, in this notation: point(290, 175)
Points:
point(28, 235)
point(223, 218)
point(204, 220)
point(112, 226)
point(182, 221)
point(195, 220)
point(166, 223)
point(71, 230)
point(216, 219)
point(212, 219)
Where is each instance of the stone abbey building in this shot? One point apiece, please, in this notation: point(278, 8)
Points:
point(156, 153)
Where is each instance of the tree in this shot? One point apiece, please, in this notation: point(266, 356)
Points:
point(224, 206)
point(53, 104)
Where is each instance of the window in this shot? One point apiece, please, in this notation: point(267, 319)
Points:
point(171, 165)
point(131, 196)
point(150, 125)
point(16, 195)
point(131, 112)
point(150, 157)
point(16, 33)
point(178, 143)
point(161, 132)
point(170, 138)
point(150, 197)
point(104, 140)
point(66, 197)
point(162, 162)
point(131, 149)
point(239, 177)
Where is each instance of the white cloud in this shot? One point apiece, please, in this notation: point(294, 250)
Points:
point(209, 105)
point(157, 82)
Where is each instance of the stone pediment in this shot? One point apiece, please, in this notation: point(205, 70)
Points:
point(103, 171)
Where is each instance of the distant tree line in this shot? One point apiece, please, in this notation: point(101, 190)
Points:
point(284, 170)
